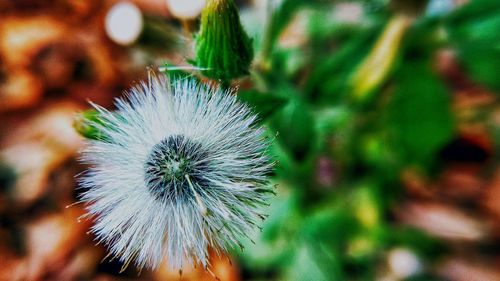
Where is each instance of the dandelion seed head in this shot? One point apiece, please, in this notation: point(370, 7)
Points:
point(183, 168)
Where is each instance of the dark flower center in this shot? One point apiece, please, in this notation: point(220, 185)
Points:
point(169, 165)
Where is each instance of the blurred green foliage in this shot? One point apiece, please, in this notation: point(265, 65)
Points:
point(418, 115)
point(341, 229)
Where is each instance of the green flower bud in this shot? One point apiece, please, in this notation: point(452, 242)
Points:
point(223, 49)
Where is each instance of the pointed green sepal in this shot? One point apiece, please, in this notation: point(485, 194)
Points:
point(88, 123)
point(223, 49)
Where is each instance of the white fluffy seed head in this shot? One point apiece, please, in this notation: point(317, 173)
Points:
point(183, 168)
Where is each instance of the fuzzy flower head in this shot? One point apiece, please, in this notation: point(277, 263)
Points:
point(182, 168)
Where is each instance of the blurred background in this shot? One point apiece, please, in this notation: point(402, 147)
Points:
point(384, 116)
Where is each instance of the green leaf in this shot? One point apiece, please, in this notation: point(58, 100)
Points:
point(378, 64)
point(365, 205)
point(330, 120)
point(419, 116)
point(473, 10)
point(482, 64)
point(295, 127)
point(333, 224)
point(280, 17)
point(473, 31)
point(289, 61)
point(265, 104)
point(275, 245)
point(328, 80)
point(305, 267)
point(423, 244)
